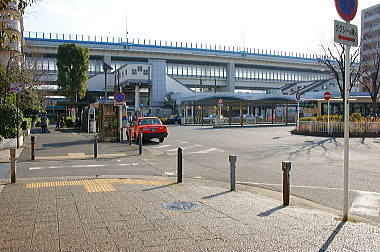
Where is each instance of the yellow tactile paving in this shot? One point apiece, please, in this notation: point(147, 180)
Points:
point(97, 185)
point(80, 155)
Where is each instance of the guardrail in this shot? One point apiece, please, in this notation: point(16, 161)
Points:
point(164, 43)
point(338, 127)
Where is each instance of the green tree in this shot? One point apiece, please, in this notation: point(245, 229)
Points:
point(8, 118)
point(72, 63)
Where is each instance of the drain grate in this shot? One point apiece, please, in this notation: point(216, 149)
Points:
point(182, 206)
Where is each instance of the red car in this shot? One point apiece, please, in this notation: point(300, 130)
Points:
point(150, 127)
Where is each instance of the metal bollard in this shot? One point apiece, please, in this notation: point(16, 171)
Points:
point(286, 167)
point(95, 146)
point(179, 166)
point(232, 160)
point(33, 143)
point(129, 138)
point(140, 143)
point(13, 165)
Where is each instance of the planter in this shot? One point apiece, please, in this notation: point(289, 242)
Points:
point(8, 143)
point(336, 129)
point(26, 132)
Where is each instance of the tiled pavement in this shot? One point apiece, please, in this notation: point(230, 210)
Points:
point(65, 216)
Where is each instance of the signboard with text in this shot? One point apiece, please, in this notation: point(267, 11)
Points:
point(345, 33)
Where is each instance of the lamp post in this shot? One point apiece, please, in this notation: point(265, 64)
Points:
point(105, 68)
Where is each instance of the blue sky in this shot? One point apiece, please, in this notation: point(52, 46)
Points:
point(293, 25)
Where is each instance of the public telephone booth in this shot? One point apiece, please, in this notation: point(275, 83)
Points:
point(112, 121)
point(91, 120)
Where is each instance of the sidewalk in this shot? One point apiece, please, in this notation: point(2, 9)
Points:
point(152, 213)
point(138, 214)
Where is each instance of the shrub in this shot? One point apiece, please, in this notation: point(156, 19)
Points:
point(27, 123)
point(69, 122)
point(38, 122)
point(8, 117)
point(308, 119)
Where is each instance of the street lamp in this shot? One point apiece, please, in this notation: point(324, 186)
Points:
point(105, 68)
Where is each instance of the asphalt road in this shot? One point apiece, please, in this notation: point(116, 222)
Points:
point(317, 162)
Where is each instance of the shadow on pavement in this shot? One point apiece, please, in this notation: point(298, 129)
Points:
point(158, 187)
point(216, 195)
point(270, 211)
point(332, 236)
point(65, 144)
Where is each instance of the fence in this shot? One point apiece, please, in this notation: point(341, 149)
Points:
point(338, 127)
point(236, 120)
point(163, 43)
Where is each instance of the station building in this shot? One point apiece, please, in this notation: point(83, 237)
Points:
point(155, 75)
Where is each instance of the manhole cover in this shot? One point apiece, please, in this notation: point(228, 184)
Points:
point(183, 206)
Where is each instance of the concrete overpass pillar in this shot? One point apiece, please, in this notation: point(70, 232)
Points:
point(137, 98)
point(107, 60)
point(230, 77)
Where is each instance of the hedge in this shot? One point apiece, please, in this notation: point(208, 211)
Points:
point(8, 117)
point(354, 117)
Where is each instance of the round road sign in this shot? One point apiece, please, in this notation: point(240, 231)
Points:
point(220, 101)
point(327, 96)
point(119, 97)
point(298, 95)
point(346, 9)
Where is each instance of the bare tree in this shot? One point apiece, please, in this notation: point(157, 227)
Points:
point(333, 59)
point(371, 72)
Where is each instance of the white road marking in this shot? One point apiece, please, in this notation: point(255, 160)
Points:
point(170, 173)
point(188, 147)
point(184, 142)
point(161, 146)
point(204, 151)
point(366, 203)
point(198, 177)
point(76, 166)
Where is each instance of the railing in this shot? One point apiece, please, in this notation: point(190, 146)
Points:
point(236, 120)
point(338, 127)
point(163, 43)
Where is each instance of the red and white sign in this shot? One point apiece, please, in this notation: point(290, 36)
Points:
point(298, 95)
point(16, 87)
point(327, 96)
point(220, 101)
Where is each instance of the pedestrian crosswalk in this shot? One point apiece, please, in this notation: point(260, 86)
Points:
point(172, 146)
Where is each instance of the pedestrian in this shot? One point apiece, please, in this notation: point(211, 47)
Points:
point(43, 123)
point(58, 124)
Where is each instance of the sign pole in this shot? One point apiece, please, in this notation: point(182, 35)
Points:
point(298, 115)
point(328, 116)
point(17, 122)
point(346, 129)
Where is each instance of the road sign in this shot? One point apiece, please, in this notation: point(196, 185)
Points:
point(119, 97)
point(16, 87)
point(346, 9)
point(220, 101)
point(327, 96)
point(345, 33)
point(298, 95)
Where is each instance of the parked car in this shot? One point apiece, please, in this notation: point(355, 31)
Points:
point(150, 127)
point(211, 118)
point(175, 119)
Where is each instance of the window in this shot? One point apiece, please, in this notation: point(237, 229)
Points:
point(134, 71)
point(139, 68)
point(146, 72)
point(126, 72)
